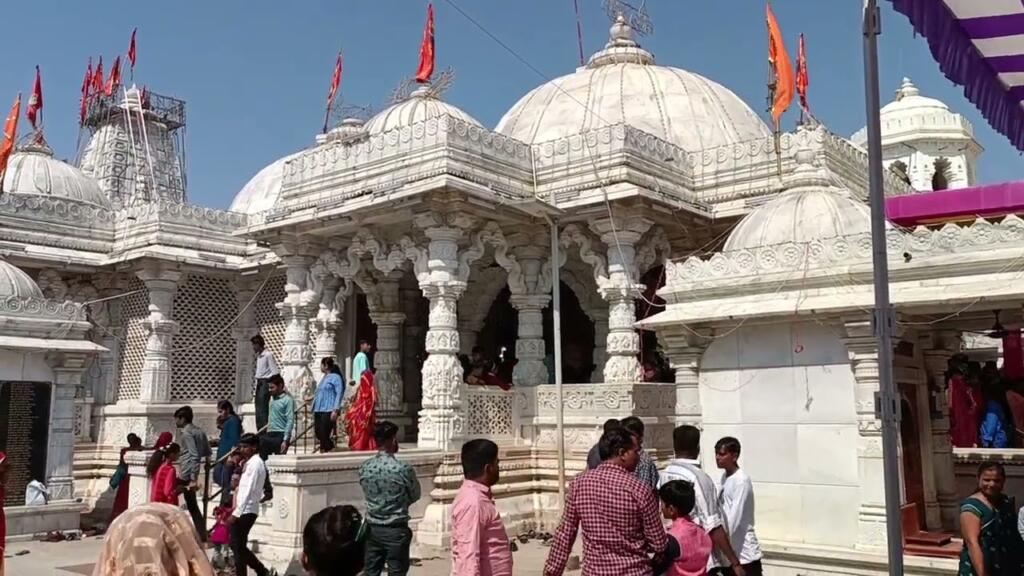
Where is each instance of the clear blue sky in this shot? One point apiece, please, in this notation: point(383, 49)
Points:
point(255, 73)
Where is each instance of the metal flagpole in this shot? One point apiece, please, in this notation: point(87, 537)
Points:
point(556, 324)
point(887, 403)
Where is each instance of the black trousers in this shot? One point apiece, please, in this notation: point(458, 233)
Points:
point(387, 545)
point(261, 397)
point(197, 514)
point(324, 428)
point(270, 443)
point(244, 558)
point(752, 569)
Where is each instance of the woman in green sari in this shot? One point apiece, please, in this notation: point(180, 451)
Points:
point(988, 523)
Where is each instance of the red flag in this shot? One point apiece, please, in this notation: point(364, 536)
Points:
point(335, 85)
point(426, 69)
point(115, 78)
point(97, 80)
point(35, 102)
point(86, 85)
point(10, 135)
point(132, 54)
point(782, 65)
point(803, 80)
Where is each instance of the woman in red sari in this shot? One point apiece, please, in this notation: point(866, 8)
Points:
point(120, 480)
point(362, 415)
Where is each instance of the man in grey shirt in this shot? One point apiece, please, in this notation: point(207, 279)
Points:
point(195, 448)
point(594, 456)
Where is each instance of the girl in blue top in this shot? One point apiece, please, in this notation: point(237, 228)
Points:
point(327, 403)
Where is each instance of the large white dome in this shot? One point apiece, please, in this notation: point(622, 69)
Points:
point(16, 283)
point(622, 84)
point(33, 170)
point(811, 208)
point(261, 192)
point(420, 106)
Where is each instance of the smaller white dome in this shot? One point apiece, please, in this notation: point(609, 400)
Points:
point(33, 170)
point(908, 98)
point(811, 208)
point(15, 282)
point(912, 117)
point(420, 106)
point(261, 192)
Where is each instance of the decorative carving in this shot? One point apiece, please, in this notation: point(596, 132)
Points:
point(490, 413)
point(573, 234)
point(492, 235)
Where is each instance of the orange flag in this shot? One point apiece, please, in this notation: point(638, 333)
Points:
point(97, 80)
point(35, 101)
point(426, 69)
point(115, 78)
point(782, 66)
point(10, 135)
point(803, 79)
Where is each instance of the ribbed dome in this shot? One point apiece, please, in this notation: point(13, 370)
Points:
point(420, 106)
point(33, 170)
point(261, 192)
point(811, 208)
point(14, 282)
point(911, 116)
point(908, 98)
point(622, 84)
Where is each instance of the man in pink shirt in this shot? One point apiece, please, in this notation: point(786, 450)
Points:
point(480, 545)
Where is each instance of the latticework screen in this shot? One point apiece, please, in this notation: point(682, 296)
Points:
point(268, 317)
point(134, 309)
point(203, 361)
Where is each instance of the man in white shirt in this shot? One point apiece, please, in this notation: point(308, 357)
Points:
point(737, 504)
point(266, 366)
point(686, 466)
point(247, 507)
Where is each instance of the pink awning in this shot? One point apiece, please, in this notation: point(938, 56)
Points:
point(964, 203)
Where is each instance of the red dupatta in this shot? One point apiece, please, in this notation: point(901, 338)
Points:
point(362, 415)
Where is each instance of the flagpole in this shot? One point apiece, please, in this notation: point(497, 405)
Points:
point(887, 406)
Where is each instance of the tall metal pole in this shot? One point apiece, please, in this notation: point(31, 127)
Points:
point(883, 316)
point(556, 324)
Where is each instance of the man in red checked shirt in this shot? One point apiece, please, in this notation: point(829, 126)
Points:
point(623, 533)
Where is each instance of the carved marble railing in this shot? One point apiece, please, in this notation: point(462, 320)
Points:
point(921, 243)
point(42, 308)
point(490, 413)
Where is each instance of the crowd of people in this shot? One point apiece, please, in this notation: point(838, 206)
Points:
point(986, 405)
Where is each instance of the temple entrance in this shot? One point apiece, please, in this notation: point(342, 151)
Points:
point(501, 326)
point(910, 439)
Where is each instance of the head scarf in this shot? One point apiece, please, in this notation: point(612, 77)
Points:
point(162, 440)
point(152, 539)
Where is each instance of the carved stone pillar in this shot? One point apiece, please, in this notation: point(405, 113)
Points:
point(329, 316)
point(162, 284)
point(530, 369)
point(623, 348)
point(685, 351)
point(443, 419)
point(67, 375)
point(863, 349)
point(388, 361)
point(411, 333)
point(296, 309)
point(245, 328)
point(600, 344)
point(937, 348)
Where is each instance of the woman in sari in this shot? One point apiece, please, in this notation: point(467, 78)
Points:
point(153, 538)
point(362, 415)
point(988, 523)
point(120, 480)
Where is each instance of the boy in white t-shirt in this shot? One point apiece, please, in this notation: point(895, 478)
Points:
point(736, 501)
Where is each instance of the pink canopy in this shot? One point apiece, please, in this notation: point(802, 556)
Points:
point(965, 203)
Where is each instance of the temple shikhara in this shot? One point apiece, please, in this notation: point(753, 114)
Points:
point(710, 272)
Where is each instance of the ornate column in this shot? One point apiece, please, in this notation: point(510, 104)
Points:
point(623, 343)
point(600, 317)
point(162, 283)
point(296, 309)
point(411, 333)
point(685, 351)
point(443, 417)
point(244, 329)
point(937, 349)
point(531, 293)
point(863, 350)
point(329, 316)
point(67, 375)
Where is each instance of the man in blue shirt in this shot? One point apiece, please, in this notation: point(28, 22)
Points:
point(280, 426)
point(327, 403)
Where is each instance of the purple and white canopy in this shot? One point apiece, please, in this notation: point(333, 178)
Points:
point(978, 44)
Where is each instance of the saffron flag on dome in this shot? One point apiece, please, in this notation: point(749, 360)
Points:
point(803, 79)
point(115, 78)
point(35, 102)
point(335, 85)
point(132, 51)
point(426, 69)
point(97, 80)
point(10, 136)
point(86, 85)
point(782, 69)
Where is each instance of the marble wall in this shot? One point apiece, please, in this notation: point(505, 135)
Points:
point(786, 391)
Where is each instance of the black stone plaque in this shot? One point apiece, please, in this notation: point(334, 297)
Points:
point(24, 434)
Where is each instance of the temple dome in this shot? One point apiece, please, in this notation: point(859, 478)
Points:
point(811, 208)
point(261, 192)
point(32, 170)
point(420, 106)
point(14, 282)
point(911, 116)
point(622, 84)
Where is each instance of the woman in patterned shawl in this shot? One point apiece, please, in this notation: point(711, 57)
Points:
point(362, 415)
point(150, 539)
point(988, 522)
